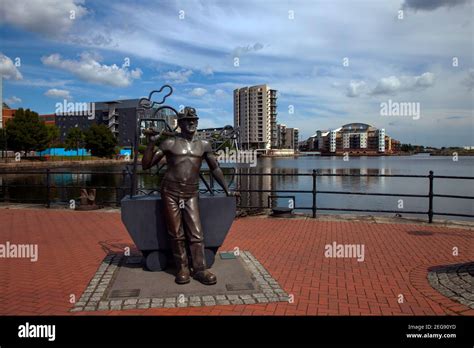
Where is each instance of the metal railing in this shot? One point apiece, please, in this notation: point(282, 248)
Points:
point(314, 192)
point(125, 189)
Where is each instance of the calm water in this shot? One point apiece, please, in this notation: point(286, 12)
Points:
point(416, 165)
point(419, 165)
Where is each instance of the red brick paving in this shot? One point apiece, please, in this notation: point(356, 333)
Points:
point(73, 244)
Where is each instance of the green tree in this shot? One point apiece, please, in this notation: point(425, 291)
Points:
point(406, 147)
point(53, 135)
point(27, 132)
point(74, 139)
point(100, 141)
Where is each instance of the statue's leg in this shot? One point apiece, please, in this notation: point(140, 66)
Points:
point(194, 233)
point(172, 214)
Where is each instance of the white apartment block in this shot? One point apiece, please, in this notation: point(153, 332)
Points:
point(332, 140)
point(381, 132)
point(255, 116)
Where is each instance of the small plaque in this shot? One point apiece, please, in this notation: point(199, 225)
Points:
point(239, 286)
point(130, 260)
point(420, 233)
point(227, 256)
point(125, 293)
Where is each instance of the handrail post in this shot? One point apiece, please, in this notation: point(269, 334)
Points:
point(430, 198)
point(315, 173)
point(6, 193)
point(48, 187)
point(122, 190)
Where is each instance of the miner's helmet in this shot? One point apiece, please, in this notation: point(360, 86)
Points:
point(188, 113)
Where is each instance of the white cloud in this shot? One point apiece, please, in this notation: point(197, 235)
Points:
point(207, 70)
point(89, 69)
point(51, 83)
point(58, 93)
point(13, 100)
point(355, 88)
point(430, 5)
point(426, 79)
point(180, 76)
point(198, 92)
point(220, 93)
point(387, 85)
point(8, 70)
point(50, 17)
point(392, 84)
point(240, 50)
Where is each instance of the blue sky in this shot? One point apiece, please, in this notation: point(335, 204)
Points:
point(296, 47)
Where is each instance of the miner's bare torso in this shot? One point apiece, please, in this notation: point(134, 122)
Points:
point(183, 158)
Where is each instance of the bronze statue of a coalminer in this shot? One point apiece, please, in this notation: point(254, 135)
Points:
point(179, 193)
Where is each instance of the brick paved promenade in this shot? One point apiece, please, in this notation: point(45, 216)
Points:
point(397, 261)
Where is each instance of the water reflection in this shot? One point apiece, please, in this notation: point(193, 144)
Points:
point(372, 166)
point(290, 181)
point(64, 186)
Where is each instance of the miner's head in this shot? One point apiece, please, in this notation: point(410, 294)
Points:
point(188, 120)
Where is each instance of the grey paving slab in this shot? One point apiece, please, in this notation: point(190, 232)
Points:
point(122, 284)
point(454, 282)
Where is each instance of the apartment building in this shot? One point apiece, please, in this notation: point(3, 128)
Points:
point(120, 116)
point(255, 115)
point(353, 138)
point(287, 138)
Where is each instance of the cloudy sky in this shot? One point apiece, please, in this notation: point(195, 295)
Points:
point(333, 62)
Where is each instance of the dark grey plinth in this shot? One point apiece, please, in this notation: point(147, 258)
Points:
point(230, 273)
point(121, 284)
point(143, 218)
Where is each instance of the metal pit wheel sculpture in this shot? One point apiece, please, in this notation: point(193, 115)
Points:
point(178, 225)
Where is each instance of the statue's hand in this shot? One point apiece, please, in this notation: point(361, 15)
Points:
point(151, 134)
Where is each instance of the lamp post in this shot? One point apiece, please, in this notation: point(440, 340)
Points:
point(5, 145)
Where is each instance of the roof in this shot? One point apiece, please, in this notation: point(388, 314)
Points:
point(210, 129)
point(121, 104)
point(357, 126)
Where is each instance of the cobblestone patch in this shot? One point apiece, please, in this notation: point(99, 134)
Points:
point(455, 282)
point(94, 299)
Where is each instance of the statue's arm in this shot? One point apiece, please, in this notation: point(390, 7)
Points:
point(216, 171)
point(150, 157)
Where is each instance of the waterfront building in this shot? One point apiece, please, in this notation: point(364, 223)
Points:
point(353, 138)
point(49, 119)
point(7, 114)
point(218, 136)
point(118, 115)
point(287, 138)
point(211, 133)
point(255, 116)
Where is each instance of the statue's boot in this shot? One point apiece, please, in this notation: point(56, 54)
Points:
point(181, 260)
point(200, 273)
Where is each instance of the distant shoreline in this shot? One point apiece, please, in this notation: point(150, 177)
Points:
point(28, 164)
point(25, 164)
point(303, 154)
